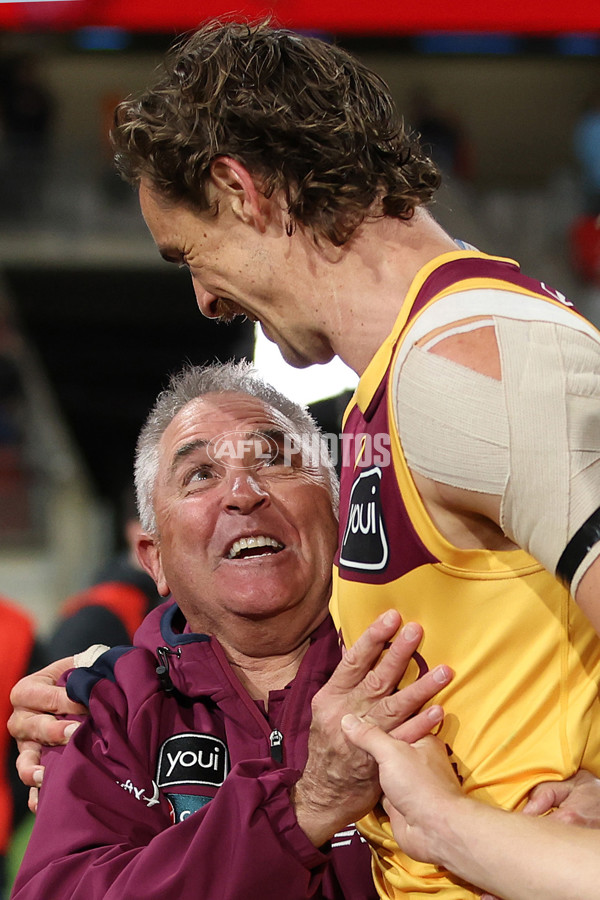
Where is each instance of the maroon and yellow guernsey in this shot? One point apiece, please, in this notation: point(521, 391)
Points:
point(523, 706)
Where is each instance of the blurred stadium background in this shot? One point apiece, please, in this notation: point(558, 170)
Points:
point(92, 321)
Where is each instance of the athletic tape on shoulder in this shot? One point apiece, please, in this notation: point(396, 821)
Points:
point(531, 439)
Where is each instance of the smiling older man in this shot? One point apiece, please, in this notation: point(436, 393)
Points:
point(195, 775)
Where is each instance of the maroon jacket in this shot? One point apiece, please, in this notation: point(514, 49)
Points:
point(177, 787)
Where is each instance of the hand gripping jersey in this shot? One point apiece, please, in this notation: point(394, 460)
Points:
point(523, 706)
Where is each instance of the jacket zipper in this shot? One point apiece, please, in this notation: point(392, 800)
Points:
point(276, 745)
point(162, 670)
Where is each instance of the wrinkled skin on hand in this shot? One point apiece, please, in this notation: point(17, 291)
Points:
point(340, 782)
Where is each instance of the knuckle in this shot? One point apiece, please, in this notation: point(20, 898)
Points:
point(401, 705)
point(56, 697)
point(374, 683)
point(317, 701)
point(15, 694)
point(25, 764)
point(351, 655)
point(13, 726)
point(363, 767)
point(386, 709)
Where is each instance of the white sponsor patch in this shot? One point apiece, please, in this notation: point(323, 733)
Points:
point(192, 759)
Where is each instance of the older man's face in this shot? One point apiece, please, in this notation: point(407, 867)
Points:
point(241, 538)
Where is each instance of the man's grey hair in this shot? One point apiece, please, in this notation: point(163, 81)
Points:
point(193, 382)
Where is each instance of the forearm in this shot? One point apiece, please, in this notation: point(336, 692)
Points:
point(514, 856)
point(321, 819)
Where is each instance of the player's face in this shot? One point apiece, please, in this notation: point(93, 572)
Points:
point(241, 534)
point(237, 269)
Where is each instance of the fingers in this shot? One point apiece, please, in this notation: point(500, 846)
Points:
point(361, 656)
point(419, 726)
point(368, 737)
point(545, 797)
point(26, 726)
point(32, 802)
point(40, 692)
point(385, 747)
point(373, 677)
point(575, 801)
point(28, 763)
point(396, 708)
point(366, 681)
point(570, 817)
point(50, 731)
point(391, 668)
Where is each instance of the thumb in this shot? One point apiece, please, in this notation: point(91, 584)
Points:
point(542, 799)
point(365, 735)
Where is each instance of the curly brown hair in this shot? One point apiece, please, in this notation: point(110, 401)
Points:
point(303, 116)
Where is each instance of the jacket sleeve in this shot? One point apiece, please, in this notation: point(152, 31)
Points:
point(104, 831)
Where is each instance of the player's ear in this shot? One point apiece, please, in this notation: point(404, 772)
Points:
point(232, 182)
point(149, 555)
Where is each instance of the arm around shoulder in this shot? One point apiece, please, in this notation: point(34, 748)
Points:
point(104, 830)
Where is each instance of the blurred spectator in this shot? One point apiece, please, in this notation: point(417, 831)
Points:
point(443, 136)
point(15, 511)
point(584, 235)
point(114, 189)
point(112, 608)
point(26, 112)
point(11, 401)
point(586, 146)
point(585, 248)
point(20, 655)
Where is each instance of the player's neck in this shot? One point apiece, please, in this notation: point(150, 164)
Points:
point(380, 264)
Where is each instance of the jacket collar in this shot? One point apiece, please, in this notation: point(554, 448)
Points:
point(196, 663)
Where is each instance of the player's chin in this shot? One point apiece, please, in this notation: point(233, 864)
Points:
point(226, 311)
point(301, 358)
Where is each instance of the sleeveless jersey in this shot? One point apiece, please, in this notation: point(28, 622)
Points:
point(523, 706)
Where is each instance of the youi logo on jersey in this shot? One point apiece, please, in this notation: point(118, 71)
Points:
point(365, 544)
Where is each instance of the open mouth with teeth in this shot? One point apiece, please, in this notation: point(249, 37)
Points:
point(257, 545)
